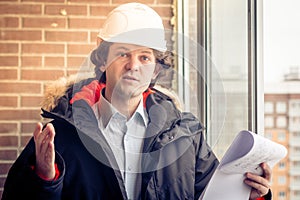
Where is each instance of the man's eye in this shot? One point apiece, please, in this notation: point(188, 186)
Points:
point(123, 54)
point(145, 58)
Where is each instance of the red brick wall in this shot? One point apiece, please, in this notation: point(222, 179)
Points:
point(41, 40)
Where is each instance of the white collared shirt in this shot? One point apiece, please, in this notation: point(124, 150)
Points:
point(126, 140)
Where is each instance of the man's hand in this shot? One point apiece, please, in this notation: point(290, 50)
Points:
point(260, 184)
point(44, 151)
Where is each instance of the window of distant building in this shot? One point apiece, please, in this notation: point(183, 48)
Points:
point(269, 122)
point(269, 107)
point(281, 136)
point(281, 180)
point(281, 195)
point(296, 135)
point(281, 107)
point(297, 150)
point(294, 107)
point(281, 122)
point(281, 165)
point(268, 135)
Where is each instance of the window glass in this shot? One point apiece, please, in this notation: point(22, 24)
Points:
point(227, 74)
point(282, 86)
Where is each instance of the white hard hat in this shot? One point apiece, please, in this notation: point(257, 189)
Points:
point(134, 23)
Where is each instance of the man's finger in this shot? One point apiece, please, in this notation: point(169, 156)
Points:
point(47, 138)
point(267, 171)
point(37, 130)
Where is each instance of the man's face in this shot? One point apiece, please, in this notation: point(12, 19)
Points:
point(129, 70)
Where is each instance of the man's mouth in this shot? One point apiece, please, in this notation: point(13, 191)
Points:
point(131, 78)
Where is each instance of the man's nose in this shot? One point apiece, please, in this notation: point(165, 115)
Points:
point(133, 63)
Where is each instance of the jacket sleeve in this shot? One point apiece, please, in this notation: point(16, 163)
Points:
point(266, 197)
point(206, 164)
point(23, 183)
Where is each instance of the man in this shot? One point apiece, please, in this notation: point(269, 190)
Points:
point(113, 136)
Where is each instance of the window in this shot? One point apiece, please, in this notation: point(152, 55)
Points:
point(219, 66)
point(268, 135)
point(281, 136)
point(280, 76)
point(281, 195)
point(281, 122)
point(269, 122)
point(269, 109)
point(281, 165)
point(281, 107)
point(281, 180)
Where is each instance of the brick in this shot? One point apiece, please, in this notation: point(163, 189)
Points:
point(2, 182)
point(89, 1)
point(8, 155)
point(39, 22)
point(21, 35)
point(54, 62)
point(66, 36)
point(20, 87)
point(170, 2)
point(20, 9)
point(28, 114)
point(41, 74)
point(9, 61)
point(30, 101)
point(101, 10)
point(84, 23)
point(72, 72)
point(128, 1)
point(28, 127)
point(25, 139)
point(75, 61)
point(167, 25)
point(8, 101)
point(8, 74)
point(31, 61)
point(164, 11)
point(50, 1)
point(8, 127)
point(93, 36)
point(65, 9)
point(8, 141)
point(4, 168)
point(9, 48)
point(80, 48)
point(9, 22)
point(43, 48)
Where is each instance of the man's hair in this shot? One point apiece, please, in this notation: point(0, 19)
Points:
point(164, 60)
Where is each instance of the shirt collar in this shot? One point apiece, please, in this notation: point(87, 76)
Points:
point(105, 111)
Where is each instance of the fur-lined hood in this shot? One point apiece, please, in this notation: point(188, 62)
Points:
point(58, 88)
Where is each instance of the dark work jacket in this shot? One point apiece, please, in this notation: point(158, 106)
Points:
point(177, 163)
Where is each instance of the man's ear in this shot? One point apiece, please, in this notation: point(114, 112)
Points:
point(99, 40)
point(102, 68)
point(156, 72)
